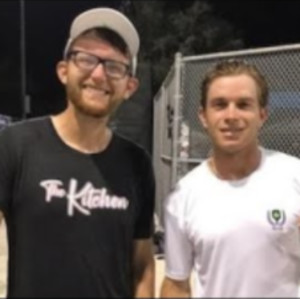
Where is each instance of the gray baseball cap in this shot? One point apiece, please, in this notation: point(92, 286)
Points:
point(107, 18)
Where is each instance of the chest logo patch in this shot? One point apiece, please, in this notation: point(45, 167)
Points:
point(82, 200)
point(276, 218)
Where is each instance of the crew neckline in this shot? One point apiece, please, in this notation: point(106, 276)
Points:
point(241, 181)
point(74, 150)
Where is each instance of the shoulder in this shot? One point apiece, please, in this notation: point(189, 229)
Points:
point(282, 170)
point(23, 130)
point(187, 188)
point(191, 179)
point(133, 157)
point(278, 160)
point(17, 138)
point(21, 136)
point(130, 148)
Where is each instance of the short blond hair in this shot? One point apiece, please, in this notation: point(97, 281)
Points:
point(233, 67)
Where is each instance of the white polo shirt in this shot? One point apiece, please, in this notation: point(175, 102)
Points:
point(241, 237)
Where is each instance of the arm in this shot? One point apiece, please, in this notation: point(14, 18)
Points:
point(179, 250)
point(8, 162)
point(144, 268)
point(175, 288)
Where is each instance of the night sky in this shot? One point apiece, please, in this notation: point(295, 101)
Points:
point(261, 23)
point(264, 23)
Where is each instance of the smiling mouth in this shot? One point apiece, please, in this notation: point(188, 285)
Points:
point(96, 90)
point(230, 133)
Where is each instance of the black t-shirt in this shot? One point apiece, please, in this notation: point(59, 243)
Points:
point(72, 217)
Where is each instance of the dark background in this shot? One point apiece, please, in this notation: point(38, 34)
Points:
point(263, 23)
point(46, 25)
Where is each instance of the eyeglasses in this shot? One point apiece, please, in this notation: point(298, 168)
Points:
point(88, 62)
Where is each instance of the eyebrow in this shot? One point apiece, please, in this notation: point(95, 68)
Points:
point(243, 98)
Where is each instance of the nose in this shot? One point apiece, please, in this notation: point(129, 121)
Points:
point(231, 111)
point(98, 72)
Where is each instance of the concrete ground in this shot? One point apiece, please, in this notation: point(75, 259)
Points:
point(160, 265)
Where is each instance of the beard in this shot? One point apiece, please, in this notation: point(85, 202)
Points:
point(82, 106)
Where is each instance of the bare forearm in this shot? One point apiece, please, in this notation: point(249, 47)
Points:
point(172, 289)
point(144, 284)
point(144, 269)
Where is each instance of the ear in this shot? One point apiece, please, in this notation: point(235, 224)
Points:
point(61, 71)
point(131, 88)
point(264, 113)
point(202, 117)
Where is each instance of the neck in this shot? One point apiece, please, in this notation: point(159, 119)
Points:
point(83, 133)
point(235, 166)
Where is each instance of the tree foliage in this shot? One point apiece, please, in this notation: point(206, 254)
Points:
point(189, 27)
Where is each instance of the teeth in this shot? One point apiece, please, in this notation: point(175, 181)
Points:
point(96, 90)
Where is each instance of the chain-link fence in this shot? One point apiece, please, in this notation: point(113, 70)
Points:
point(180, 142)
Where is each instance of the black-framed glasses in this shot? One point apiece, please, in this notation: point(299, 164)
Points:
point(88, 62)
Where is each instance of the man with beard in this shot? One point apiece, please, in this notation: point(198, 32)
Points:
point(77, 198)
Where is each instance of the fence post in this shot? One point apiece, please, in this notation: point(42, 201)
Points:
point(176, 119)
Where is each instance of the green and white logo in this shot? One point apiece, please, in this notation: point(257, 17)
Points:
point(276, 218)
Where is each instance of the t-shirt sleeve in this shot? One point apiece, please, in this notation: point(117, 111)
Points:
point(146, 192)
point(178, 247)
point(7, 166)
